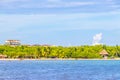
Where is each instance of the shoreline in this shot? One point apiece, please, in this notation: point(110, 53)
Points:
point(3, 59)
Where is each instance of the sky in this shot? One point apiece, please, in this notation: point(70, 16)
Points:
point(60, 22)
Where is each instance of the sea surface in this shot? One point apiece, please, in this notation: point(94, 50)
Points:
point(60, 70)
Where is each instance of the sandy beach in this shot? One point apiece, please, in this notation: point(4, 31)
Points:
point(57, 59)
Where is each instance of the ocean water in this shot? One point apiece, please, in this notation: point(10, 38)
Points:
point(60, 70)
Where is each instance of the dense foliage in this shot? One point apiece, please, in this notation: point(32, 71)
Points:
point(58, 51)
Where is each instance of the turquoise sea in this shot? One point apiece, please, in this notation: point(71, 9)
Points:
point(60, 70)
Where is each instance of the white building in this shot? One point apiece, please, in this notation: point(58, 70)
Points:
point(12, 42)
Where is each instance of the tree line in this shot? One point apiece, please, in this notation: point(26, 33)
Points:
point(37, 52)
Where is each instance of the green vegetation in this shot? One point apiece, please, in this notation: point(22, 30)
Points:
point(58, 51)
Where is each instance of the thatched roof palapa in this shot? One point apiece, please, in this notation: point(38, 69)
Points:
point(3, 56)
point(104, 52)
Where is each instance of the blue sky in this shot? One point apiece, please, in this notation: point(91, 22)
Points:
point(60, 22)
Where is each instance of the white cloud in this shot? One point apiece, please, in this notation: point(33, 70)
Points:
point(53, 0)
point(112, 4)
point(61, 21)
point(81, 6)
point(109, 0)
point(11, 1)
point(73, 4)
point(56, 5)
point(49, 4)
point(97, 38)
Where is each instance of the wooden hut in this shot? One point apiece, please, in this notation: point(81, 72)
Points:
point(3, 56)
point(104, 53)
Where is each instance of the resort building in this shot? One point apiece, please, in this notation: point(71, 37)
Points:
point(104, 53)
point(12, 42)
